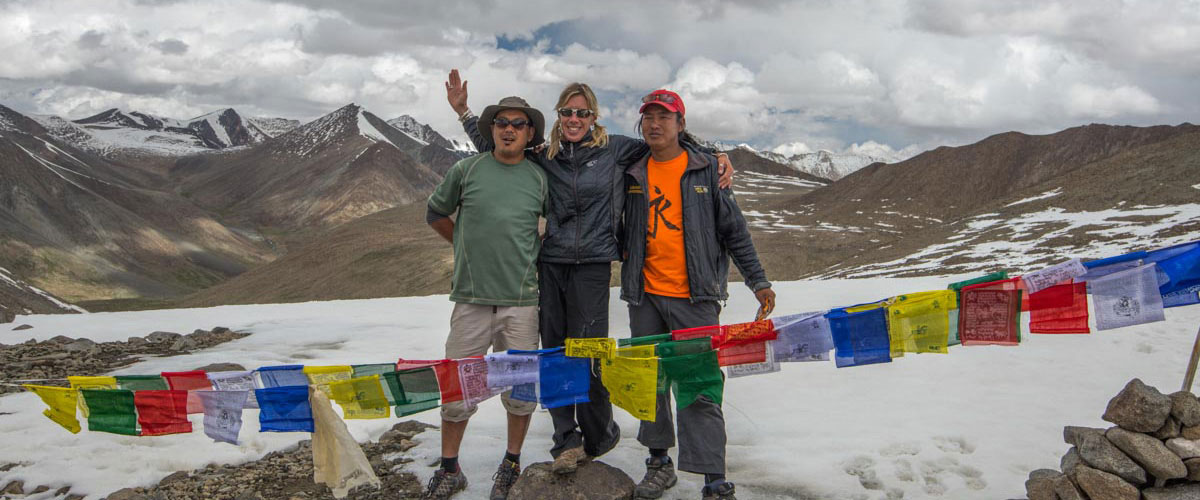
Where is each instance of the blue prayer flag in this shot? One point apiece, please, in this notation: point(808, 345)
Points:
point(562, 380)
point(1178, 273)
point(860, 338)
point(284, 409)
point(282, 376)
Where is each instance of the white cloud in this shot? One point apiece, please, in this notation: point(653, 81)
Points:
point(792, 148)
point(1089, 101)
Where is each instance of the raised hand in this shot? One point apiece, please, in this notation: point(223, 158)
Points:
point(456, 92)
point(725, 169)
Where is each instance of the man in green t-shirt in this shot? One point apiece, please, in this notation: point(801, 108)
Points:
point(498, 197)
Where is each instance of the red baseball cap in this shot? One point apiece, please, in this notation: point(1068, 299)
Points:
point(664, 98)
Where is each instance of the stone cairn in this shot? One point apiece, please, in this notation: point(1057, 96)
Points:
point(1153, 452)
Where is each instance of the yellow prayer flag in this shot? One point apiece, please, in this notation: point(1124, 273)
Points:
point(597, 348)
point(78, 383)
point(632, 384)
point(637, 351)
point(866, 307)
point(361, 397)
point(321, 376)
point(920, 322)
point(61, 403)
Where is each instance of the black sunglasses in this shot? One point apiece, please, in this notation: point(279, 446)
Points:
point(518, 124)
point(658, 97)
point(581, 113)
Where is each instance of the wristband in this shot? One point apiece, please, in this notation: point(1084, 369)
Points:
point(466, 115)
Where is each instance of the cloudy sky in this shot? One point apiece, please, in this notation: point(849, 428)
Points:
point(883, 75)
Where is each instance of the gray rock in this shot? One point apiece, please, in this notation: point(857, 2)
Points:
point(1072, 433)
point(223, 367)
point(1040, 485)
point(1066, 490)
point(136, 341)
point(1185, 448)
point(1185, 408)
point(1138, 407)
point(14, 488)
point(124, 494)
point(1170, 429)
point(1100, 485)
point(1149, 452)
point(220, 330)
point(184, 344)
point(1070, 460)
point(160, 337)
point(1097, 451)
point(1178, 492)
point(174, 477)
point(7, 316)
point(79, 345)
point(1192, 432)
point(592, 481)
point(60, 339)
point(1193, 467)
point(23, 327)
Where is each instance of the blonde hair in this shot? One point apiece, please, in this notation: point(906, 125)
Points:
point(599, 134)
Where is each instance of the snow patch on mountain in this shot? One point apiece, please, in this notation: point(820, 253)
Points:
point(214, 120)
point(1048, 194)
point(272, 127)
point(6, 278)
point(369, 131)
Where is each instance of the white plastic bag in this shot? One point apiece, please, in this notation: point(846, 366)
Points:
point(338, 460)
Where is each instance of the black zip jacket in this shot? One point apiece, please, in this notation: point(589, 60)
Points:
point(713, 230)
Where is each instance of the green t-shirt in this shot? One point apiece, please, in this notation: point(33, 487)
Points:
point(496, 240)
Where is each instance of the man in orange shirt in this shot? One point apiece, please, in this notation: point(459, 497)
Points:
point(680, 230)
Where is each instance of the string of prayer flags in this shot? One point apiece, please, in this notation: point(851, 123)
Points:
point(953, 338)
point(563, 380)
point(643, 340)
point(990, 313)
point(111, 410)
point(414, 390)
point(281, 376)
point(284, 409)
point(920, 322)
point(692, 376)
point(162, 412)
point(360, 398)
point(321, 376)
point(141, 382)
point(1178, 273)
point(769, 365)
point(745, 343)
point(473, 376)
point(1106, 266)
point(632, 384)
point(860, 336)
point(802, 337)
point(223, 414)
point(60, 403)
point(510, 370)
point(595, 348)
point(1127, 298)
point(1059, 309)
point(79, 383)
point(195, 380)
point(235, 381)
point(1053, 275)
point(378, 369)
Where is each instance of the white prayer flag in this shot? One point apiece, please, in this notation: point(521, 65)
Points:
point(507, 370)
point(236, 381)
point(768, 366)
point(222, 414)
point(802, 337)
point(473, 377)
point(1127, 298)
point(1053, 275)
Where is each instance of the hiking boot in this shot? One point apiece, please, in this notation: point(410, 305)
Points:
point(444, 484)
point(569, 460)
point(722, 491)
point(660, 475)
point(504, 478)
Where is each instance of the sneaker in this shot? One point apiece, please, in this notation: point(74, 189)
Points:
point(569, 460)
point(444, 484)
point(660, 475)
point(722, 491)
point(504, 478)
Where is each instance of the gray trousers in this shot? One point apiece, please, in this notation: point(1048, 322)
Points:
point(701, 427)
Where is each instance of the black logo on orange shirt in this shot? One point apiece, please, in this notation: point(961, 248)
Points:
point(658, 205)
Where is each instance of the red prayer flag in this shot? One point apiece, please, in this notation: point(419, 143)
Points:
point(990, 313)
point(1024, 293)
point(448, 382)
point(408, 364)
point(713, 331)
point(1059, 309)
point(162, 412)
point(195, 380)
point(747, 333)
point(740, 354)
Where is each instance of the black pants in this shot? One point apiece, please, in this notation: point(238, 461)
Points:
point(573, 303)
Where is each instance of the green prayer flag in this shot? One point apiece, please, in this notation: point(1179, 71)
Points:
point(987, 278)
point(380, 369)
point(414, 390)
point(683, 347)
point(647, 340)
point(142, 382)
point(694, 375)
point(111, 410)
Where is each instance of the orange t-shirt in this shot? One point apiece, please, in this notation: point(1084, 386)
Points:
point(665, 269)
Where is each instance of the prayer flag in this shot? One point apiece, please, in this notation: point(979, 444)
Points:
point(162, 412)
point(1178, 273)
point(694, 375)
point(920, 322)
point(111, 410)
point(235, 381)
point(448, 382)
point(223, 414)
point(361, 397)
point(195, 380)
point(563, 380)
point(740, 354)
point(859, 337)
point(338, 460)
point(697, 332)
point(1059, 309)
point(473, 376)
point(769, 365)
point(414, 390)
point(683, 347)
point(79, 383)
point(595, 348)
point(60, 402)
point(638, 351)
point(987, 278)
point(990, 313)
point(1127, 298)
point(321, 376)
point(747, 333)
point(141, 382)
point(508, 370)
point(632, 384)
point(803, 337)
point(379, 369)
point(282, 376)
point(284, 409)
point(1053, 275)
point(644, 340)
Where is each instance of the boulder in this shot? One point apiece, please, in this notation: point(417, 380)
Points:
point(14, 488)
point(135, 341)
point(1072, 433)
point(1067, 490)
point(592, 481)
point(1170, 429)
point(1177, 492)
point(79, 345)
point(1185, 408)
point(1192, 432)
point(184, 344)
point(1138, 407)
point(1070, 460)
point(1149, 452)
point(1097, 451)
point(1193, 467)
point(60, 339)
point(22, 327)
point(160, 337)
point(1185, 448)
point(1100, 485)
point(1040, 485)
point(222, 367)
